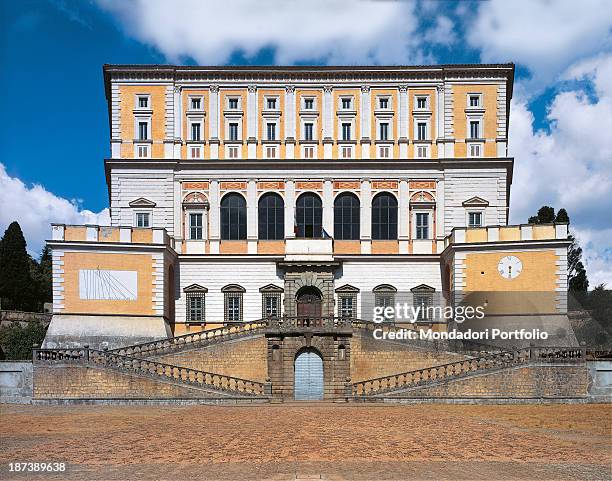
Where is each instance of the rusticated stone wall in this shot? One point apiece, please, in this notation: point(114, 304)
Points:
point(371, 358)
point(243, 358)
point(85, 382)
point(539, 381)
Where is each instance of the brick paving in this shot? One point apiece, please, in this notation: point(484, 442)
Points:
point(311, 441)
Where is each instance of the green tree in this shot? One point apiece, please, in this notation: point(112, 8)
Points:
point(17, 341)
point(576, 272)
point(546, 215)
point(17, 289)
point(42, 274)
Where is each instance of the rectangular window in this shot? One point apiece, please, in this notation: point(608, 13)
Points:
point(143, 102)
point(195, 226)
point(271, 104)
point(308, 104)
point(271, 151)
point(346, 131)
point(474, 100)
point(474, 129)
point(347, 305)
point(421, 131)
point(143, 219)
point(424, 301)
point(196, 103)
point(270, 304)
point(233, 131)
point(383, 103)
point(195, 307)
point(142, 151)
point(422, 225)
point(383, 152)
point(421, 152)
point(233, 307)
point(384, 300)
point(308, 131)
point(271, 129)
point(195, 152)
point(233, 103)
point(232, 152)
point(143, 130)
point(475, 150)
point(421, 103)
point(309, 152)
point(475, 219)
point(346, 103)
point(384, 131)
point(347, 152)
point(195, 131)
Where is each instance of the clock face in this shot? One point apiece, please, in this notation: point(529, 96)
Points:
point(510, 267)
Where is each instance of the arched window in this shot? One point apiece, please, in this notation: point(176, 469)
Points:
point(309, 216)
point(384, 217)
point(346, 217)
point(233, 217)
point(271, 215)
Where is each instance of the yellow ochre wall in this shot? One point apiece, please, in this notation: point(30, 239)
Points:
point(127, 94)
point(205, 132)
point(318, 96)
point(141, 263)
point(532, 291)
point(223, 94)
point(489, 101)
point(355, 93)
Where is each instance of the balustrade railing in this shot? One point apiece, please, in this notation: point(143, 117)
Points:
point(195, 339)
point(184, 375)
point(460, 368)
point(310, 322)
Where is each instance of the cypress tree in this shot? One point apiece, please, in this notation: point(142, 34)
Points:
point(16, 283)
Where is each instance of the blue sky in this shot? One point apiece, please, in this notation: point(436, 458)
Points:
point(54, 120)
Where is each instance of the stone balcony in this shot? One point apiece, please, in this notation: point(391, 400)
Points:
point(309, 250)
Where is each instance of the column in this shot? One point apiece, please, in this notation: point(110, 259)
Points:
point(289, 209)
point(404, 217)
point(177, 231)
point(365, 227)
point(440, 228)
point(366, 122)
point(440, 121)
point(215, 222)
point(403, 122)
point(252, 230)
point(289, 122)
point(251, 121)
point(214, 121)
point(328, 121)
point(178, 124)
point(328, 206)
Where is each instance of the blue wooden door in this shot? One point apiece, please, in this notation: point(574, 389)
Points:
point(308, 376)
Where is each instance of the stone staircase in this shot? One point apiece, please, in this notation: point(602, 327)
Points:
point(210, 383)
point(492, 362)
point(192, 340)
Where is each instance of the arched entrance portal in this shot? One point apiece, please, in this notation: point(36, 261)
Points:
point(308, 375)
point(309, 302)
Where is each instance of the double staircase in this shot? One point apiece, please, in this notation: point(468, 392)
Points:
point(136, 360)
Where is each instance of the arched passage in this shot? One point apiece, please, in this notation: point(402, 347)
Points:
point(308, 375)
point(309, 302)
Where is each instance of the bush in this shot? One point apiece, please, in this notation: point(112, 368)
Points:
point(17, 341)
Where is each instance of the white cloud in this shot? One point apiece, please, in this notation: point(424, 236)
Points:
point(341, 31)
point(35, 208)
point(443, 32)
point(543, 35)
point(570, 166)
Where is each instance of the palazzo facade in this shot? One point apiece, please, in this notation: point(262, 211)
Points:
point(245, 193)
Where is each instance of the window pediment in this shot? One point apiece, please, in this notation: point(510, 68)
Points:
point(233, 288)
point(347, 288)
point(195, 288)
point(422, 288)
point(142, 202)
point(271, 288)
point(475, 202)
point(384, 288)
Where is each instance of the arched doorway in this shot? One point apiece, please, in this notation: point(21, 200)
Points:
point(308, 375)
point(309, 301)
